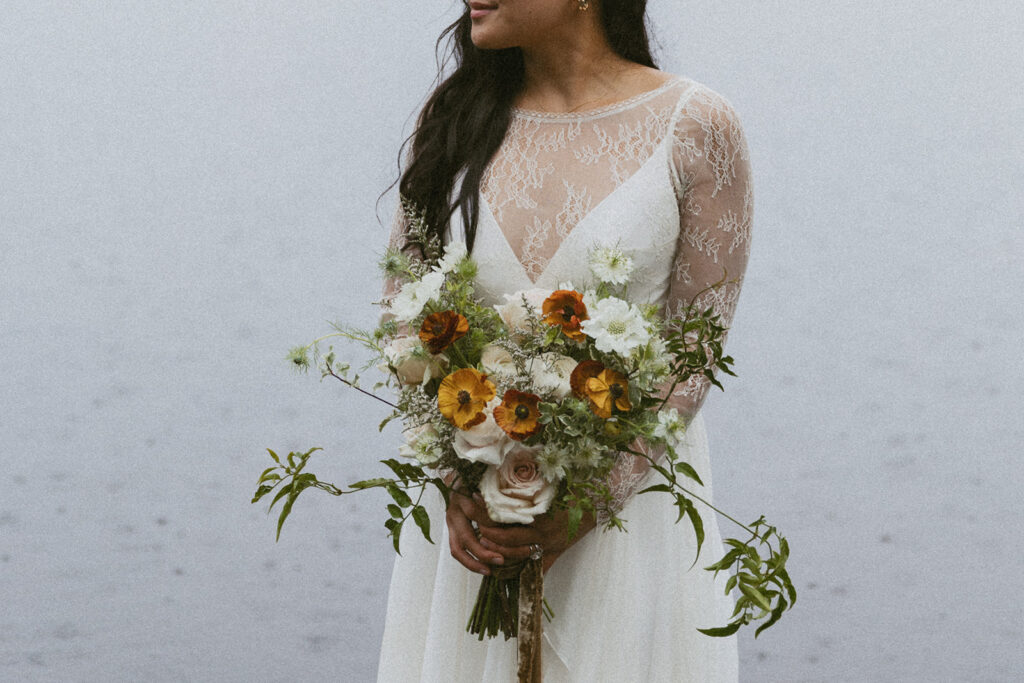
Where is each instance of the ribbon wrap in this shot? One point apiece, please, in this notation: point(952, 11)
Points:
point(511, 602)
point(531, 621)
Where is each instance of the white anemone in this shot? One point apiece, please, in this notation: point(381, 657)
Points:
point(616, 326)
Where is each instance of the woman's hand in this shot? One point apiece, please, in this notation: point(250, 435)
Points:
point(549, 531)
point(462, 539)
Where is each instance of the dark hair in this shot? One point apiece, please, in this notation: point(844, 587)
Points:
point(467, 116)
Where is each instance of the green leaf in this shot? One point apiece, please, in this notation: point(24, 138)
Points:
point(422, 519)
point(749, 579)
point(698, 528)
point(285, 490)
point(725, 562)
point(658, 487)
point(686, 469)
point(285, 511)
point(721, 631)
point(400, 496)
point(790, 589)
point(370, 483)
point(274, 456)
point(730, 584)
point(262, 491)
point(776, 614)
point(395, 534)
point(755, 595)
point(575, 517)
point(395, 511)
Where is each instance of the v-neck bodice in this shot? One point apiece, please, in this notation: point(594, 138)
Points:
point(664, 176)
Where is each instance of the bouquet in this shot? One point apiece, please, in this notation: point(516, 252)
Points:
point(530, 403)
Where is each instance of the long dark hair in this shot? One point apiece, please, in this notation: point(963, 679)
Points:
point(467, 116)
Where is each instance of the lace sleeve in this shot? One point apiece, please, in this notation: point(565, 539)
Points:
point(711, 173)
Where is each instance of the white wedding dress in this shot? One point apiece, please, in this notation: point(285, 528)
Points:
point(665, 177)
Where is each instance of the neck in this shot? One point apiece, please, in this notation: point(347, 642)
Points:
point(571, 70)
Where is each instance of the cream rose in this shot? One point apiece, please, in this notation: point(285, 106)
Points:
point(485, 442)
point(516, 315)
point(413, 363)
point(550, 373)
point(496, 361)
point(515, 492)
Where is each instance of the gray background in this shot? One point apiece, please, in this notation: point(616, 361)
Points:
point(187, 189)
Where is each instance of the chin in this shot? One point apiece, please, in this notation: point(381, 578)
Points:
point(488, 40)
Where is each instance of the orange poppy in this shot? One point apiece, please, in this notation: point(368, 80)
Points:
point(565, 309)
point(439, 330)
point(518, 414)
point(463, 395)
point(604, 388)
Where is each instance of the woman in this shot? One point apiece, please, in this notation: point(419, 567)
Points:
point(555, 133)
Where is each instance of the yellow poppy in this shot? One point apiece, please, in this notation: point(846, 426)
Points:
point(463, 395)
point(605, 389)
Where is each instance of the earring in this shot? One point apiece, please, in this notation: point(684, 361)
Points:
point(583, 5)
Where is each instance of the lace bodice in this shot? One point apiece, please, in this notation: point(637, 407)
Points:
point(664, 175)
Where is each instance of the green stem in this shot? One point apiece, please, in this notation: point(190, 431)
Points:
point(331, 372)
point(688, 492)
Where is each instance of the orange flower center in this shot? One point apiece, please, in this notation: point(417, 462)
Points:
point(616, 390)
point(522, 412)
point(464, 397)
point(567, 313)
point(437, 327)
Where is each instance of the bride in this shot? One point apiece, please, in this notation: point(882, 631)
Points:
point(554, 134)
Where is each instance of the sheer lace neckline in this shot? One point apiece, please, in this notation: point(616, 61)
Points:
point(607, 109)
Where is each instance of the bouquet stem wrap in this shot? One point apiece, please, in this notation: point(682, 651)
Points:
point(511, 602)
point(531, 621)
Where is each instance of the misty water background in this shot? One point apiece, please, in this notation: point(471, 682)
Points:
point(187, 189)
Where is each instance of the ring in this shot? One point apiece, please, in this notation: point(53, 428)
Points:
point(536, 552)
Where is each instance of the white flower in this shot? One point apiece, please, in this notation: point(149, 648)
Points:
point(485, 442)
point(498, 362)
point(550, 373)
point(454, 252)
point(413, 363)
point(522, 307)
point(616, 326)
point(515, 492)
point(671, 427)
point(409, 302)
point(611, 265)
point(422, 444)
point(553, 460)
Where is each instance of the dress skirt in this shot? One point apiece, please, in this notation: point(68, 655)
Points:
point(627, 605)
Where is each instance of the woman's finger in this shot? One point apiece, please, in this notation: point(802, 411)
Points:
point(465, 547)
point(511, 554)
point(512, 536)
point(473, 508)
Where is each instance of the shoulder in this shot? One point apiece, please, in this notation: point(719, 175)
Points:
point(709, 140)
point(699, 102)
